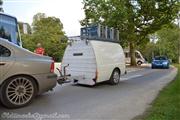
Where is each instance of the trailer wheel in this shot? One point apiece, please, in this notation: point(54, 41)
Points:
point(115, 77)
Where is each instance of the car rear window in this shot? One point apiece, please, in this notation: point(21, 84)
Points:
point(160, 58)
point(4, 52)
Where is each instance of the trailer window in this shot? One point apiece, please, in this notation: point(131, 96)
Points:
point(160, 58)
point(4, 52)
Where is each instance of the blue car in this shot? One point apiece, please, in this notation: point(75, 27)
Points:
point(160, 62)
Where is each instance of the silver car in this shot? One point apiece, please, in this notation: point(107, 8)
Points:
point(23, 74)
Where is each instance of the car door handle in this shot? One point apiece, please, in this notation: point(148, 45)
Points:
point(1, 64)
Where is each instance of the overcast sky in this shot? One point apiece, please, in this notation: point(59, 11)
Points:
point(70, 12)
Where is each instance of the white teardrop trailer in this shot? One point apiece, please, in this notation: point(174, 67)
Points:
point(91, 61)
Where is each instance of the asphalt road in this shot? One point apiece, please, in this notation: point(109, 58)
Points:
point(103, 102)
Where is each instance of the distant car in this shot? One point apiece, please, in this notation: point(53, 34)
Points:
point(160, 62)
point(23, 75)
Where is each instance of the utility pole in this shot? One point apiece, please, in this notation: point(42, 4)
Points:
point(178, 20)
point(153, 37)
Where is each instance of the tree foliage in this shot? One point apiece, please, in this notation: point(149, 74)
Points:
point(49, 32)
point(1, 2)
point(135, 19)
point(1, 9)
point(28, 41)
point(168, 43)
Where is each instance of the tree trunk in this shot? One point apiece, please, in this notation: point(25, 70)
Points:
point(132, 54)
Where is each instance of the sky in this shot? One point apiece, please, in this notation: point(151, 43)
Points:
point(70, 12)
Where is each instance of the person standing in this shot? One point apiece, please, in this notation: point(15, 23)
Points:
point(39, 50)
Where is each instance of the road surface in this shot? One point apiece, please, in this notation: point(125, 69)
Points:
point(103, 102)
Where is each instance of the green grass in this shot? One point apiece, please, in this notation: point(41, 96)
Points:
point(167, 104)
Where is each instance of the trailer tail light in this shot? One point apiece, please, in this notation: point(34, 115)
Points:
point(52, 67)
point(96, 76)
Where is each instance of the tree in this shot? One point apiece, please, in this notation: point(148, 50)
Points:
point(169, 42)
point(28, 41)
point(37, 18)
point(49, 32)
point(135, 19)
point(1, 2)
point(1, 9)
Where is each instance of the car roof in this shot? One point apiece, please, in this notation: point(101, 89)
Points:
point(20, 50)
point(161, 56)
point(11, 44)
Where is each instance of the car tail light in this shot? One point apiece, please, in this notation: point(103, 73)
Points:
point(61, 68)
point(52, 67)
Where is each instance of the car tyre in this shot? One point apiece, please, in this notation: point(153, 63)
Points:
point(18, 91)
point(115, 77)
point(167, 67)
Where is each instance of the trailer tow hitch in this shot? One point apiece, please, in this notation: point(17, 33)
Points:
point(63, 77)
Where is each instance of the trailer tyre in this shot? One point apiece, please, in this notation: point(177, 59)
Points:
point(115, 77)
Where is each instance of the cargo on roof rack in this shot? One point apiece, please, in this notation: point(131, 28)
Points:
point(100, 32)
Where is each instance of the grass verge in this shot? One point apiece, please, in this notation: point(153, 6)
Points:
point(167, 105)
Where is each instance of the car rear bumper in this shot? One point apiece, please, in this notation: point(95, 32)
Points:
point(160, 66)
point(46, 82)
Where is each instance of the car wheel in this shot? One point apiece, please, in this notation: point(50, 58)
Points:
point(167, 67)
point(18, 91)
point(152, 67)
point(139, 63)
point(115, 77)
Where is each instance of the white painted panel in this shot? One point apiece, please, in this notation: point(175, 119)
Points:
point(109, 55)
point(82, 65)
point(96, 55)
